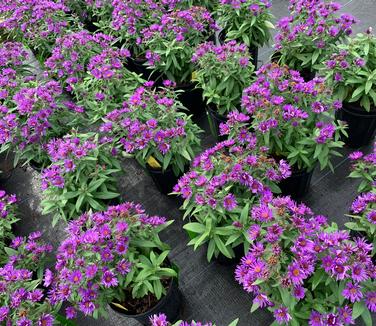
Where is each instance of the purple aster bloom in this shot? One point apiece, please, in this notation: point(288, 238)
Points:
point(70, 313)
point(352, 292)
point(229, 202)
point(316, 319)
point(282, 315)
point(371, 301)
point(109, 279)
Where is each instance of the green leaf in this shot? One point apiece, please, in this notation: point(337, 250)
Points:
point(195, 227)
point(367, 318)
point(358, 309)
point(255, 306)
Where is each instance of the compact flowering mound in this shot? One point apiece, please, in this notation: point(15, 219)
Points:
point(7, 218)
point(13, 56)
point(38, 22)
point(13, 69)
point(151, 125)
point(248, 21)
point(22, 302)
point(111, 256)
point(304, 38)
point(224, 182)
point(364, 168)
point(364, 216)
point(172, 40)
point(29, 252)
point(130, 17)
point(301, 269)
point(223, 72)
point(293, 118)
point(71, 55)
point(350, 69)
point(107, 83)
point(34, 115)
point(161, 320)
point(80, 178)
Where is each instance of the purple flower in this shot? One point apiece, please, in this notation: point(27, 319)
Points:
point(352, 292)
point(229, 202)
point(371, 301)
point(282, 315)
point(70, 313)
point(109, 279)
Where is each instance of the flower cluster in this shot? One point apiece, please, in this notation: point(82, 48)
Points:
point(38, 22)
point(34, 115)
point(161, 320)
point(172, 40)
point(102, 256)
point(297, 261)
point(253, 16)
point(7, 218)
point(22, 301)
point(71, 55)
point(80, 177)
point(107, 83)
point(29, 252)
point(222, 184)
point(223, 72)
point(12, 55)
point(130, 18)
point(294, 118)
point(150, 124)
point(350, 68)
point(305, 36)
point(364, 167)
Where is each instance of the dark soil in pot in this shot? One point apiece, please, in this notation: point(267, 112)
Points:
point(298, 184)
point(361, 124)
point(143, 309)
point(165, 181)
point(215, 119)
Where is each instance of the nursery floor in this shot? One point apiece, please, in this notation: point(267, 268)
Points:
point(209, 290)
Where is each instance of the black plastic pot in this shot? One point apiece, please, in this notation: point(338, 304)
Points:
point(254, 53)
point(215, 119)
point(138, 66)
point(165, 181)
point(36, 166)
point(307, 74)
point(191, 98)
point(361, 124)
point(170, 305)
point(223, 260)
point(298, 184)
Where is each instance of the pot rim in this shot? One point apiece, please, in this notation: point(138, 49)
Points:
point(160, 302)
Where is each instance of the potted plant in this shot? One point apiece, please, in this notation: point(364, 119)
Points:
point(302, 270)
point(33, 116)
point(80, 178)
point(363, 217)
point(248, 22)
point(219, 191)
point(350, 72)
point(222, 72)
point(29, 252)
point(71, 55)
point(171, 43)
point(162, 320)
point(305, 37)
point(8, 219)
point(127, 22)
point(295, 120)
point(106, 84)
point(364, 167)
point(153, 127)
point(25, 283)
point(37, 24)
point(125, 265)
point(22, 302)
